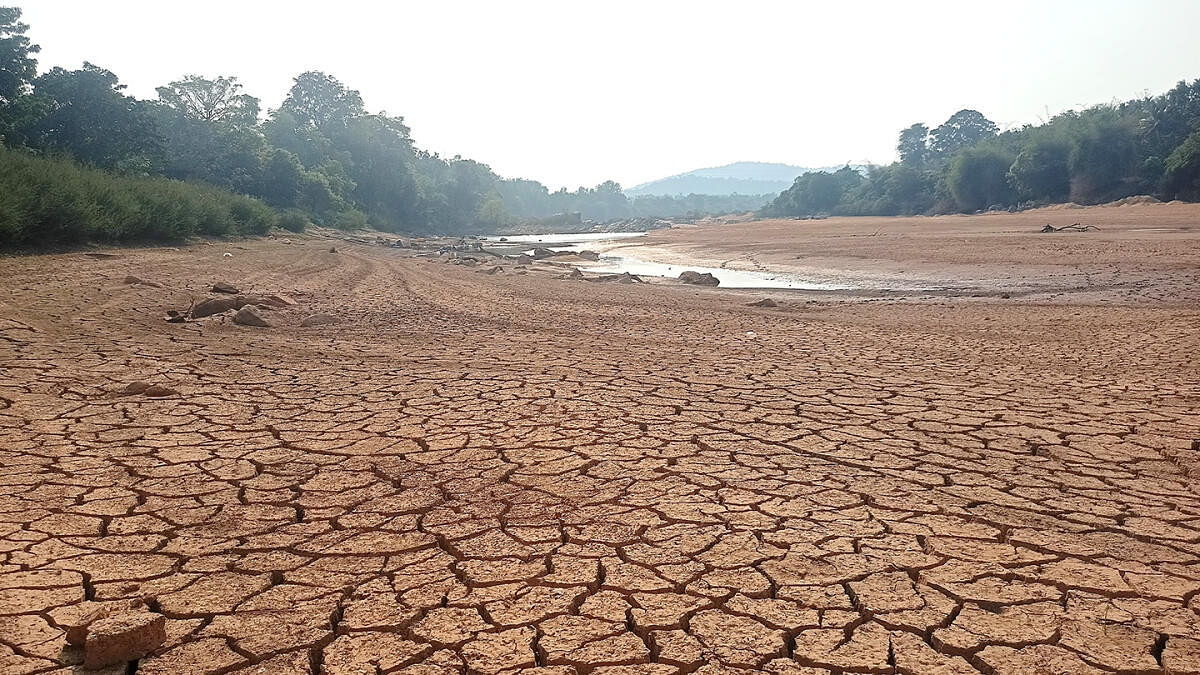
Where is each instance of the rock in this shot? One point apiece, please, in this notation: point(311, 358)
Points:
point(503, 238)
point(212, 306)
point(540, 253)
point(230, 255)
point(124, 637)
point(275, 300)
point(136, 388)
point(224, 287)
point(699, 279)
point(174, 316)
point(494, 270)
point(524, 259)
point(77, 620)
point(148, 389)
point(333, 249)
point(589, 255)
point(133, 281)
point(320, 320)
point(248, 316)
point(765, 302)
point(625, 278)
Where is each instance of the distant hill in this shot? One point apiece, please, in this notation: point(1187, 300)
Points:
point(743, 178)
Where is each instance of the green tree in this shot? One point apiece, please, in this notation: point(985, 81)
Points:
point(1040, 172)
point(1104, 157)
point(216, 100)
point(322, 101)
point(1182, 169)
point(964, 129)
point(913, 145)
point(17, 65)
point(978, 179)
point(88, 117)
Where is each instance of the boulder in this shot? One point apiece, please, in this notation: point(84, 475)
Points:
point(589, 255)
point(248, 316)
point(123, 637)
point(699, 278)
point(225, 287)
point(211, 306)
point(320, 320)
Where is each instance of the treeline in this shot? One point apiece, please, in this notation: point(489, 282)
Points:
point(320, 156)
point(1144, 146)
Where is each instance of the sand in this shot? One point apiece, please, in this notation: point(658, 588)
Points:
point(493, 472)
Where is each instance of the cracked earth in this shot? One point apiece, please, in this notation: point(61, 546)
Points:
point(500, 474)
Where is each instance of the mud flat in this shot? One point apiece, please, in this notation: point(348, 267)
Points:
point(1141, 252)
point(459, 471)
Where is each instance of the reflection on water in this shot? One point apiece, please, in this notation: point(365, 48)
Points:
point(617, 264)
point(562, 242)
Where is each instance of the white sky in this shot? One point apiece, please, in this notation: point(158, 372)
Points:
point(573, 92)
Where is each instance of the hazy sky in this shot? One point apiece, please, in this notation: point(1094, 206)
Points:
point(575, 92)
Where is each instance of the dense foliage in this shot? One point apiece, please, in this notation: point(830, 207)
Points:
point(47, 201)
point(1145, 146)
point(321, 156)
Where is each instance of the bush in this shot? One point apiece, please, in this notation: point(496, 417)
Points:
point(293, 220)
point(56, 201)
point(978, 178)
point(351, 219)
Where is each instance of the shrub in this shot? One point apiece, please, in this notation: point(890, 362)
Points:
point(293, 220)
point(50, 201)
point(351, 219)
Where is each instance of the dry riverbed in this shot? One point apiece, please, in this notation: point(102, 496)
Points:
point(464, 469)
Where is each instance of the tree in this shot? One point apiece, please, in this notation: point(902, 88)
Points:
point(1040, 172)
point(1182, 169)
point(322, 101)
point(1104, 157)
point(964, 129)
point(914, 145)
point(216, 100)
point(88, 117)
point(17, 65)
point(978, 179)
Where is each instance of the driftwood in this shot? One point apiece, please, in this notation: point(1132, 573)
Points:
point(1069, 228)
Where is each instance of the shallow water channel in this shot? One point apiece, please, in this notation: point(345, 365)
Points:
point(624, 259)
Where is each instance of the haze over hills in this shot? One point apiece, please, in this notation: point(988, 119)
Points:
point(743, 178)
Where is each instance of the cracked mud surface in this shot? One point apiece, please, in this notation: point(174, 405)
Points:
point(489, 474)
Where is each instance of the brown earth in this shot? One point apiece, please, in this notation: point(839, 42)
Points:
point(1139, 253)
point(494, 472)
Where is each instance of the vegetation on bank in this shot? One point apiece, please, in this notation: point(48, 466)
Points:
point(48, 201)
point(1144, 146)
point(321, 156)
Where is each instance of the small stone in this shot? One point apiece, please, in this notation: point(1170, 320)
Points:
point(765, 302)
point(225, 287)
point(119, 638)
point(159, 391)
point(320, 320)
point(248, 316)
